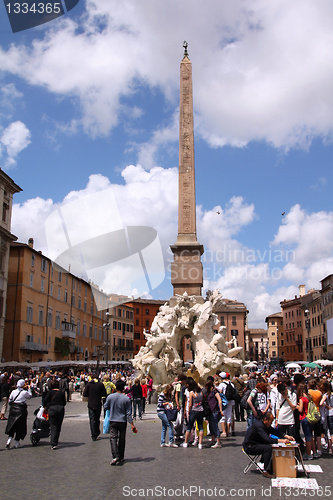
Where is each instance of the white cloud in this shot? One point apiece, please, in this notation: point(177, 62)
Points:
point(150, 198)
point(262, 71)
point(13, 140)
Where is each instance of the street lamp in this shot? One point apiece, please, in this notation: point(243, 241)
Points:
point(262, 349)
point(307, 325)
point(107, 326)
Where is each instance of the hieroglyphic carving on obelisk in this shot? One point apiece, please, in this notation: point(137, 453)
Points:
point(186, 270)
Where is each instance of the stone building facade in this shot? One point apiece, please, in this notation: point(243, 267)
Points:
point(54, 315)
point(7, 189)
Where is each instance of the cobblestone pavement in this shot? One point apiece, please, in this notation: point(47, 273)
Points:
point(80, 468)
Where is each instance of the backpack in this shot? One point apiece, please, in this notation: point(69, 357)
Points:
point(224, 401)
point(244, 404)
point(313, 415)
point(230, 392)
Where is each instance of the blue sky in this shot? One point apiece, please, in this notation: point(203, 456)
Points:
point(89, 103)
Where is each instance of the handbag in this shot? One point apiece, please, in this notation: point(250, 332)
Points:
point(171, 414)
point(106, 423)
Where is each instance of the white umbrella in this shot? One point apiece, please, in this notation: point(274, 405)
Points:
point(324, 362)
point(250, 365)
point(295, 366)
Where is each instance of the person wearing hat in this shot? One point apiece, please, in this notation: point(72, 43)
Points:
point(18, 413)
point(227, 412)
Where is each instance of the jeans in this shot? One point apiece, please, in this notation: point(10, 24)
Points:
point(165, 425)
point(214, 423)
point(195, 416)
point(94, 416)
point(137, 403)
point(56, 416)
point(117, 439)
point(250, 419)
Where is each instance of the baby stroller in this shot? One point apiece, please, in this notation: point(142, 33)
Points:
point(40, 427)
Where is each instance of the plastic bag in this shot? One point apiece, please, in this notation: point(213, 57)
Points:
point(106, 423)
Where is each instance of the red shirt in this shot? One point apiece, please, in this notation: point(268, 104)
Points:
point(144, 390)
point(304, 413)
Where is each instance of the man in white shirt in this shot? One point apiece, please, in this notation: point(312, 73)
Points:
point(285, 406)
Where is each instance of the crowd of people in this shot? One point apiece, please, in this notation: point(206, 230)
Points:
point(276, 405)
point(297, 406)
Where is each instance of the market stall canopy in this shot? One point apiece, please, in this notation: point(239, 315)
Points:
point(311, 365)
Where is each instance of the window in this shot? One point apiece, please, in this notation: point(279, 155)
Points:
point(281, 343)
point(137, 322)
point(59, 276)
point(57, 321)
point(90, 331)
point(44, 265)
point(222, 321)
point(51, 289)
point(274, 354)
point(59, 292)
point(137, 335)
point(147, 323)
point(84, 330)
point(137, 311)
point(78, 328)
point(147, 311)
point(273, 322)
point(5, 208)
point(273, 343)
point(41, 317)
point(95, 333)
point(66, 296)
point(33, 260)
point(31, 280)
point(85, 306)
point(119, 325)
point(49, 319)
point(42, 283)
point(29, 314)
point(234, 323)
point(100, 334)
point(115, 325)
point(73, 300)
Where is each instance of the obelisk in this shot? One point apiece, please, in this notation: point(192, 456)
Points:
point(186, 270)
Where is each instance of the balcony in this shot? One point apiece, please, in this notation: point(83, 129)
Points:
point(33, 346)
point(68, 330)
point(123, 348)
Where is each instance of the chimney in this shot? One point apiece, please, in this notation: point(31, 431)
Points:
point(301, 290)
point(31, 242)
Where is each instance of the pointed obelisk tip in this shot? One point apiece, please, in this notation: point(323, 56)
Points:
point(185, 45)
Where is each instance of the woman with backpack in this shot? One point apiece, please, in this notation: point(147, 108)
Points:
point(316, 396)
point(258, 403)
point(303, 404)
